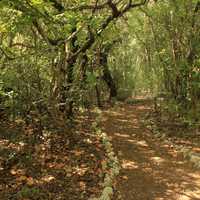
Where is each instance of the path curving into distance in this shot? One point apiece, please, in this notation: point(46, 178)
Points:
point(151, 170)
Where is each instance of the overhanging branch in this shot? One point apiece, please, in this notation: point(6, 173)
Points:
point(115, 14)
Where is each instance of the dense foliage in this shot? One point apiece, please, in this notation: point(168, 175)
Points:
point(161, 54)
point(60, 55)
point(54, 54)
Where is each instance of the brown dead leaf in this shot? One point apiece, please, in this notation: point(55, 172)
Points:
point(124, 177)
point(82, 185)
point(22, 178)
point(30, 181)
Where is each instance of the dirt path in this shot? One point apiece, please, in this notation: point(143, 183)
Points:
point(151, 170)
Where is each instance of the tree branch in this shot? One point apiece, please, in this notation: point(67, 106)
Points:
point(86, 46)
point(104, 25)
point(128, 7)
point(43, 34)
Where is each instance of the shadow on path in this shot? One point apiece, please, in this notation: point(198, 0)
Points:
point(151, 170)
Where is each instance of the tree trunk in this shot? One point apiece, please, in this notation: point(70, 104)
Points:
point(107, 77)
point(98, 96)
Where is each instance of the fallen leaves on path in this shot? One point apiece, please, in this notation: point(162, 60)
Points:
point(151, 170)
point(55, 165)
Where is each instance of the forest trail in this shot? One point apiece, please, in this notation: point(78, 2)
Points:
point(151, 170)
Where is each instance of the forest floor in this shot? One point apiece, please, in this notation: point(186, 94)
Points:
point(61, 164)
point(151, 169)
point(55, 164)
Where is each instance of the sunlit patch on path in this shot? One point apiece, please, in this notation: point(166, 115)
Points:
point(151, 170)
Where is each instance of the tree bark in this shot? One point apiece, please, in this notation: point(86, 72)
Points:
point(107, 77)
